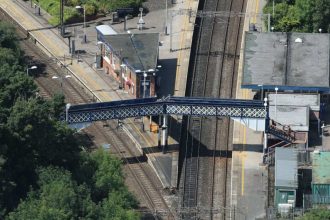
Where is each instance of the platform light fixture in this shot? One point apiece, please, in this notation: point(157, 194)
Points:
point(61, 79)
point(265, 134)
point(262, 91)
point(276, 89)
point(31, 68)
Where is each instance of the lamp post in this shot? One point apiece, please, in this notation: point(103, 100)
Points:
point(84, 26)
point(262, 91)
point(273, 10)
point(61, 79)
point(276, 89)
point(272, 28)
point(144, 83)
point(31, 68)
point(67, 106)
point(122, 66)
point(145, 75)
point(166, 17)
point(265, 135)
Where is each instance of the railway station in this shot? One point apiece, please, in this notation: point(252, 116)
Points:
point(168, 93)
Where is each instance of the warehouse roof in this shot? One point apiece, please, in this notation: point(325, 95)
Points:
point(321, 164)
point(286, 168)
point(138, 51)
point(290, 61)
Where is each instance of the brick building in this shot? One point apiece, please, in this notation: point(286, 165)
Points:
point(132, 60)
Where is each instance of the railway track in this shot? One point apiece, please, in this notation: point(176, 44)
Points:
point(135, 164)
point(207, 156)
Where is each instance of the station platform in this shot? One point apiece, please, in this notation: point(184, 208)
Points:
point(249, 174)
point(173, 55)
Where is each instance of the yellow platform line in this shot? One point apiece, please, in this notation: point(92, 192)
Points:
point(182, 37)
point(256, 11)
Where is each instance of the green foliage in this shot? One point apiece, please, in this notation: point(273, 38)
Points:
point(92, 7)
point(8, 38)
point(59, 197)
point(300, 15)
point(316, 214)
point(43, 173)
point(53, 8)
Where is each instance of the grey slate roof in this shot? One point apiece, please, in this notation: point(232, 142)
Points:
point(286, 168)
point(297, 60)
point(139, 51)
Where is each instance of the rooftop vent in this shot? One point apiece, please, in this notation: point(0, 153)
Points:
point(298, 40)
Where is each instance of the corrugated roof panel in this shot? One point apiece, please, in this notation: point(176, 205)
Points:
point(286, 168)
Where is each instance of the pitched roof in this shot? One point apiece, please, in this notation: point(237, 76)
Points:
point(138, 51)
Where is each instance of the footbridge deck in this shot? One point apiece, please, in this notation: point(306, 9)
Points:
point(168, 106)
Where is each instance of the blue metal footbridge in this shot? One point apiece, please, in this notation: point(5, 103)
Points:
point(190, 106)
point(187, 106)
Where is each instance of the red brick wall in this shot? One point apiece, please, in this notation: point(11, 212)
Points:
point(133, 84)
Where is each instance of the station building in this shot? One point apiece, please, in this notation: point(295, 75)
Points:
point(132, 59)
point(278, 64)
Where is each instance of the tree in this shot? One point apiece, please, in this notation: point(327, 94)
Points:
point(300, 15)
point(59, 197)
point(316, 214)
point(321, 15)
point(39, 153)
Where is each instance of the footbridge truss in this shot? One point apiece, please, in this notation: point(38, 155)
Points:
point(190, 106)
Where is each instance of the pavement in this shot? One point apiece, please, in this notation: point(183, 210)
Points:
point(173, 55)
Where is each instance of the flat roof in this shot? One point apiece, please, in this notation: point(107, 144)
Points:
point(320, 169)
point(297, 117)
point(106, 29)
point(296, 61)
point(291, 109)
point(286, 168)
point(295, 99)
point(138, 51)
